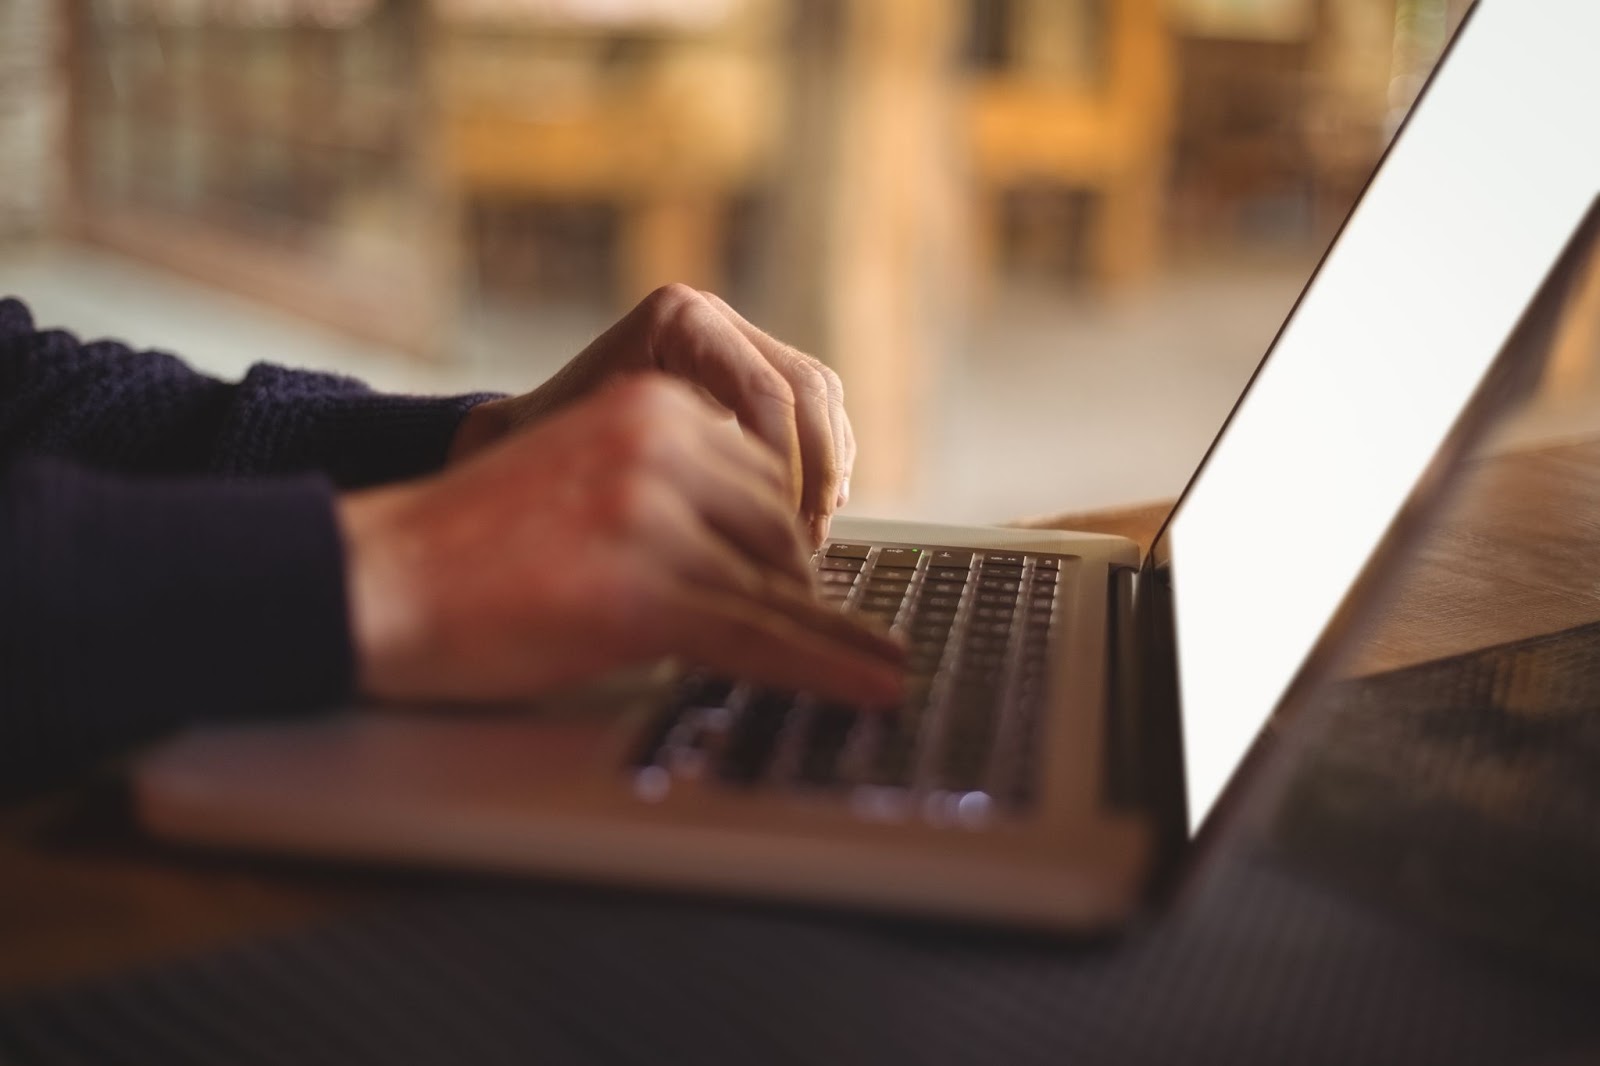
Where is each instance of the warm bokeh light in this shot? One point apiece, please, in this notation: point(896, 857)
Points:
point(1025, 232)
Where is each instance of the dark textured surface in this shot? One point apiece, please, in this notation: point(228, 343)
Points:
point(1297, 943)
point(1255, 969)
point(1466, 793)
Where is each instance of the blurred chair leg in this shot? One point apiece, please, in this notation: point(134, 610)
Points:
point(671, 238)
point(988, 244)
point(1125, 235)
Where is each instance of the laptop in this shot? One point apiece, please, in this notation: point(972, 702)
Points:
point(1075, 712)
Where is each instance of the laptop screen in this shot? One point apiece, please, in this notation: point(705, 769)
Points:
point(1473, 205)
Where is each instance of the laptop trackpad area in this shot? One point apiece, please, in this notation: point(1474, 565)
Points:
point(512, 753)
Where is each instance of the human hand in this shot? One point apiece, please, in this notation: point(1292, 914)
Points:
point(780, 395)
point(635, 524)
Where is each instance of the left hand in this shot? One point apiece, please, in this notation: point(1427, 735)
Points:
point(780, 395)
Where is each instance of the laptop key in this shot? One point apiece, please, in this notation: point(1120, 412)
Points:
point(654, 737)
point(950, 557)
point(978, 627)
point(843, 563)
point(1008, 560)
point(831, 726)
point(754, 737)
point(707, 692)
point(694, 694)
point(966, 758)
point(900, 557)
point(968, 733)
point(894, 747)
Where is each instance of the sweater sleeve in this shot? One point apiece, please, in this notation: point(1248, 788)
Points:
point(129, 607)
point(107, 406)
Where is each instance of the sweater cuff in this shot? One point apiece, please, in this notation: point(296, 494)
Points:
point(379, 439)
point(128, 608)
point(303, 420)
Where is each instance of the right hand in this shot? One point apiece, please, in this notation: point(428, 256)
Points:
point(634, 525)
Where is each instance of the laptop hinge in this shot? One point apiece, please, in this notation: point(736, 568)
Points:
point(1124, 752)
point(1144, 752)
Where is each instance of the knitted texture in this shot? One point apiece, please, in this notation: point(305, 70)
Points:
point(119, 410)
point(168, 545)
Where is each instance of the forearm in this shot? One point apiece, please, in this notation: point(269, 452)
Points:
point(112, 408)
point(128, 608)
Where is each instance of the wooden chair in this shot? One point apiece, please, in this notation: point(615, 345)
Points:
point(669, 139)
point(1109, 137)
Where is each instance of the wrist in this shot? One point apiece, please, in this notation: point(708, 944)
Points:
point(384, 603)
point(480, 427)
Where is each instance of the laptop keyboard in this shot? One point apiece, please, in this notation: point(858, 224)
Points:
point(978, 627)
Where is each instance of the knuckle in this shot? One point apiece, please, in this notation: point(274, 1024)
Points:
point(666, 306)
point(830, 376)
point(809, 380)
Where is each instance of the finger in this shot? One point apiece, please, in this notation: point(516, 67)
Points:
point(740, 638)
point(799, 602)
point(847, 456)
point(719, 500)
point(694, 550)
point(697, 556)
point(844, 439)
point(696, 342)
point(758, 460)
point(684, 547)
point(694, 412)
point(818, 412)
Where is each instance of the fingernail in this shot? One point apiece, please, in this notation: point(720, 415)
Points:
point(844, 493)
point(819, 529)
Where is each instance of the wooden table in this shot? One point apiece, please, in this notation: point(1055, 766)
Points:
point(1516, 555)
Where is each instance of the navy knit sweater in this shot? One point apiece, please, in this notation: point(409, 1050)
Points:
point(168, 548)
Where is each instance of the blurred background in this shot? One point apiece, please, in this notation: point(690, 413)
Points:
point(1043, 241)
